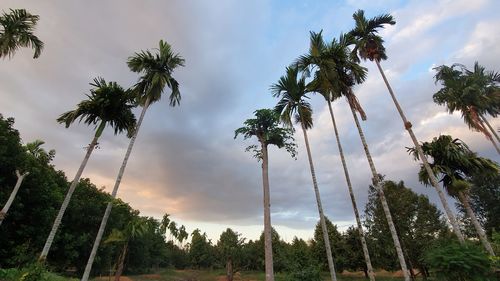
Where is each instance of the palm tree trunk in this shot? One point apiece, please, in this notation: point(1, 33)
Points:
point(432, 177)
point(464, 199)
point(489, 126)
point(377, 183)
point(5, 208)
point(366, 254)
point(268, 248)
point(493, 132)
point(104, 221)
point(320, 208)
point(121, 261)
point(72, 187)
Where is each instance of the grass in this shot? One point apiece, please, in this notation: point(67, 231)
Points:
point(191, 275)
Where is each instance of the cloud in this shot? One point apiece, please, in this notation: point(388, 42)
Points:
point(186, 161)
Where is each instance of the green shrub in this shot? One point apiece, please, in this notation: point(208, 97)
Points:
point(34, 272)
point(455, 262)
point(9, 274)
point(309, 273)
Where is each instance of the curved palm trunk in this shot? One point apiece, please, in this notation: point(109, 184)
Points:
point(13, 194)
point(105, 217)
point(268, 248)
point(464, 199)
point(72, 187)
point(377, 183)
point(121, 262)
point(366, 254)
point(492, 131)
point(320, 208)
point(432, 177)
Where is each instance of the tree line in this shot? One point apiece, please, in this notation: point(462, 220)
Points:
point(331, 69)
point(138, 244)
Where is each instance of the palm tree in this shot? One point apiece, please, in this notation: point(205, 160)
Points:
point(326, 59)
point(107, 104)
point(13, 194)
point(16, 31)
point(156, 70)
point(457, 164)
point(293, 104)
point(473, 93)
point(369, 45)
point(135, 228)
point(265, 127)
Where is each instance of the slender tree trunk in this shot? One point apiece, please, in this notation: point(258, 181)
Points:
point(366, 254)
point(104, 221)
point(67, 199)
point(5, 208)
point(490, 127)
point(121, 262)
point(464, 199)
point(268, 248)
point(320, 208)
point(492, 131)
point(377, 183)
point(229, 269)
point(432, 177)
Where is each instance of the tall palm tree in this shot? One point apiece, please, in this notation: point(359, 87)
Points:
point(325, 60)
point(456, 164)
point(473, 93)
point(369, 45)
point(5, 209)
point(265, 127)
point(107, 104)
point(156, 70)
point(292, 104)
point(16, 31)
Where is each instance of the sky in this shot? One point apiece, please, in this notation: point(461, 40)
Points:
point(186, 161)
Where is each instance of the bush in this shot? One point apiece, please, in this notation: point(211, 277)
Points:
point(309, 273)
point(455, 262)
point(34, 272)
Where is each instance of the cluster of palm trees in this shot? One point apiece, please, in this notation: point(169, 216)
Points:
point(108, 104)
point(332, 69)
point(177, 232)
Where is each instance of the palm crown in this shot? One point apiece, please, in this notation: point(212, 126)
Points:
point(473, 93)
point(369, 44)
point(107, 103)
point(156, 70)
point(292, 104)
point(17, 31)
point(265, 126)
point(335, 72)
point(455, 162)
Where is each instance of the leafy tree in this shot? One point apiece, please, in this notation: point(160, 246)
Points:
point(16, 31)
point(156, 70)
point(201, 253)
point(417, 221)
point(301, 264)
point(456, 164)
point(292, 92)
point(369, 45)
point(473, 93)
point(353, 257)
point(107, 104)
point(455, 262)
point(337, 245)
point(484, 197)
point(265, 127)
point(229, 249)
